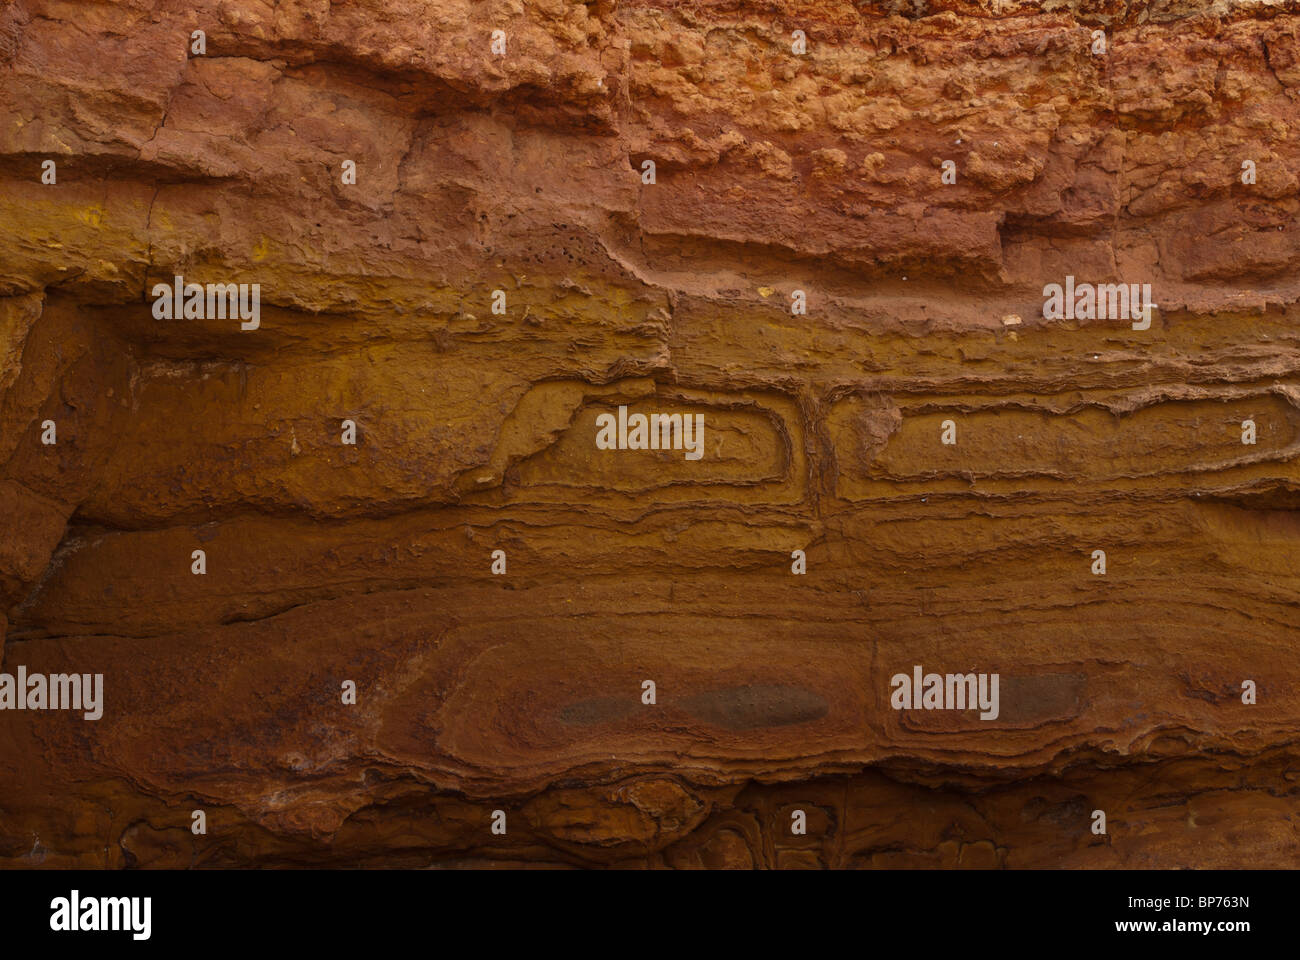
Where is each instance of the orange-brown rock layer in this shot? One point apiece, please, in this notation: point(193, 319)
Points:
point(774, 172)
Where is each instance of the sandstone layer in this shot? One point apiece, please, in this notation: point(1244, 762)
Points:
point(525, 172)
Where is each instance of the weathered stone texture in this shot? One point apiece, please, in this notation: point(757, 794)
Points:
point(774, 173)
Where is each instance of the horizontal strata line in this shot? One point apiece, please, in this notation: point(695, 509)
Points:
point(836, 309)
point(1114, 601)
point(1117, 494)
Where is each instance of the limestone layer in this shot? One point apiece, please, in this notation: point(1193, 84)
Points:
point(646, 192)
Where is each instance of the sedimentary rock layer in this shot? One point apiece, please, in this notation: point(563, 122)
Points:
point(652, 188)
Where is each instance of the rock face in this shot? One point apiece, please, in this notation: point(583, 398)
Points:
point(655, 189)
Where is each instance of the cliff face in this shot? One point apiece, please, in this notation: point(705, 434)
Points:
point(1169, 157)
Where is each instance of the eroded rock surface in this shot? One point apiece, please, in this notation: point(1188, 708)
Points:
point(774, 172)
